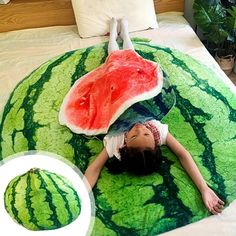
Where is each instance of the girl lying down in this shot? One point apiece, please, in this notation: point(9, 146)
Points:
point(137, 150)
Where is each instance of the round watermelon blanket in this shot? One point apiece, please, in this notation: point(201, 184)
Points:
point(203, 120)
point(41, 200)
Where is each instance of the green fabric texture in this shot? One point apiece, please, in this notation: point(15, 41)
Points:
point(203, 120)
point(41, 200)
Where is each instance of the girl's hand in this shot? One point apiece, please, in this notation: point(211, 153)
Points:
point(212, 202)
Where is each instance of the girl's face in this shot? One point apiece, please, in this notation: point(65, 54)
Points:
point(140, 137)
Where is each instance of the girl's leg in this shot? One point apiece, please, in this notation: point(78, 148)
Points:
point(112, 45)
point(124, 34)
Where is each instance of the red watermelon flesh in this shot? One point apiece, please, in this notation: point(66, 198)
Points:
point(98, 98)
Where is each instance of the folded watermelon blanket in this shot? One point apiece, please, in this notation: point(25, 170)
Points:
point(97, 99)
point(203, 120)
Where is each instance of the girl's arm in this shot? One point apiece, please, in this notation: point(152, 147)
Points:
point(210, 199)
point(93, 171)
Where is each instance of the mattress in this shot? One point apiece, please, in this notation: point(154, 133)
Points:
point(25, 50)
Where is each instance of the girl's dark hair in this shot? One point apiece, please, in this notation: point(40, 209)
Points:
point(136, 161)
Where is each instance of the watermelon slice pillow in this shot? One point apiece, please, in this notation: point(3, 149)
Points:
point(98, 98)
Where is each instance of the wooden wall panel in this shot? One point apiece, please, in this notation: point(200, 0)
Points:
point(169, 5)
point(23, 14)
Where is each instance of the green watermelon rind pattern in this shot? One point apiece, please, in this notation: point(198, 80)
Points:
point(203, 120)
point(41, 200)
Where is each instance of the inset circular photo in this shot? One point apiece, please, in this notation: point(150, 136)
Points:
point(43, 193)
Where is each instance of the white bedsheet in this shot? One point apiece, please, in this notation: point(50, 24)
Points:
point(23, 51)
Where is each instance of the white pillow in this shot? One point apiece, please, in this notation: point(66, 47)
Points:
point(93, 16)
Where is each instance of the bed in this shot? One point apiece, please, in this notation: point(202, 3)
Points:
point(24, 50)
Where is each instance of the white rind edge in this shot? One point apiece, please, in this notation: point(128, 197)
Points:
point(144, 96)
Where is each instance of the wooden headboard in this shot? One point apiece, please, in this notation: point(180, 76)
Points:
point(23, 14)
